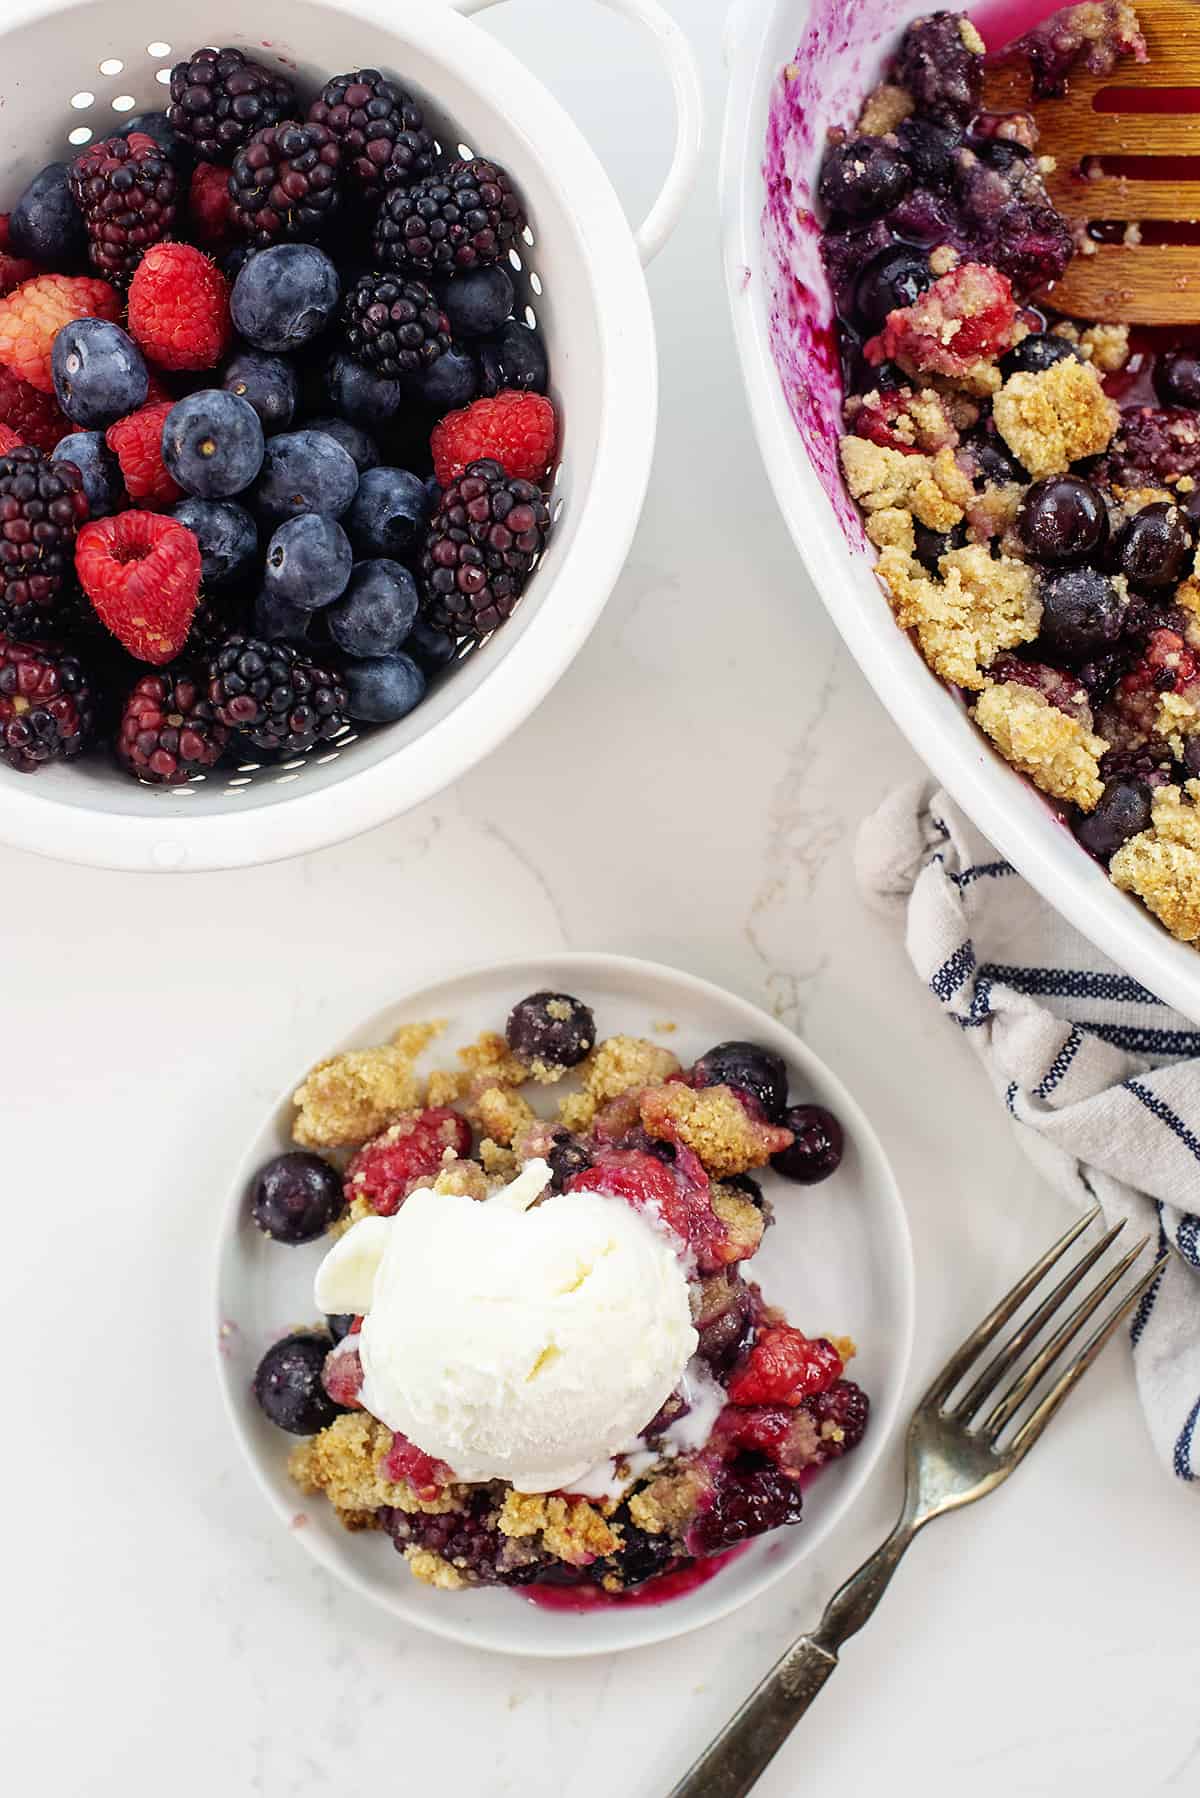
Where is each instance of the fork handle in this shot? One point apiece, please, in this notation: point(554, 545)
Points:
point(733, 1760)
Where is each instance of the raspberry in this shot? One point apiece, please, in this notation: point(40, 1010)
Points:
point(125, 189)
point(136, 442)
point(413, 1147)
point(784, 1367)
point(394, 327)
point(284, 184)
point(34, 416)
point(5, 234)
point(179, 307)
point(342, 1374)
point(464, 218)
point(380, 128)
point(42, 505)
point(678, 1192)
point(481, 545)
point(8, 439)
point(14, 270)
point(517, 430)
point(967, 317)
point(405, 1461)
point(167, 731)
point(45, 706)
point(220, 98)
point(142, 574)
point(209, 203)
point(34, 313)
point(277, 699)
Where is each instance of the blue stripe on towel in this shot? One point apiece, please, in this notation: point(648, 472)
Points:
point(981, 871)
point(1187, 1238)
point(1145, 1306)
point(1165, 1115)
point(1183, 1447)
point(1058, 1067)
point(953, 972)
point(1071, 983)
point(1139, 1039)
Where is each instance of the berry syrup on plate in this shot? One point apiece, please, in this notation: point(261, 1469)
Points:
point(676, 1582)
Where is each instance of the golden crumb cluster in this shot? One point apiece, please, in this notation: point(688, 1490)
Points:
point(1055, 417)
point(1162, 865)
point(354, 1096)
point(979, 606)
point(1058, 753)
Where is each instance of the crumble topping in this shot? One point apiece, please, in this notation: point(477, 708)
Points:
point(342, 1461)
point(1106, 347)
point(433, 1570)
point(714, 1124)
point(1058, 753)
point(744, 1222)
point(666, 1505)
point(622, 1064)
point(491, 1062)
point(933, 488)
point(981, 605)
point(502, 1113)
point(1055, 417)
point(885, 108)
point(499, 1163)
point(354, 1096)
point(1162, 864)
point(571, 1529)
point(446, 1086)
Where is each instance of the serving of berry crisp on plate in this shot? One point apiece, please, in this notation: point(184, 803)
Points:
point(488, 1325)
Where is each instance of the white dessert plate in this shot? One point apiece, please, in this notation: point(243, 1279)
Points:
point(838, 1259)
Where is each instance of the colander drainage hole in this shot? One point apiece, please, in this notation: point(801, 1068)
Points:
point(112, 65)
point(281, 780)
point(528, 237)
point(124, 103)
point(81, 135)
point(83, 100)
point(535, 281)
point(163, 75)
point(515, 259)
point(531, 318)
point(158, 50)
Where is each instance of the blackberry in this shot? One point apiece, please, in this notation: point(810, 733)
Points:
point(125, 188)
point(274, 697)
point(168, 730)
point(42, 505)
point(483, 540)
point(284, 184)
point(464, 218)
point(46, 708)
point(639, 1558)
point(220, 98)
point(1152, 763)
point(944, 77)
point(841, 1415)
point(381, 130)
point(469, 1539)
point(394, 327)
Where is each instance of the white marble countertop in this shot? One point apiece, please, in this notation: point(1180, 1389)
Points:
point(165, 1633)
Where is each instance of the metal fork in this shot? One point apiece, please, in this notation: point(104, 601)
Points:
point(951, 1462)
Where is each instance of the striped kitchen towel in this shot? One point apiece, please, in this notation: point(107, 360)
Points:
point(1100, 1078)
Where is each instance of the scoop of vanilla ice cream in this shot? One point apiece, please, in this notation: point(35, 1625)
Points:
point(515, 1344)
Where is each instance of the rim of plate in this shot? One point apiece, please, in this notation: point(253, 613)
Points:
point(643, 1626)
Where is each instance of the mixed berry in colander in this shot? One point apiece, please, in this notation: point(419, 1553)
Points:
point(1029, 480)
point(274, 445)
point(541, 1362)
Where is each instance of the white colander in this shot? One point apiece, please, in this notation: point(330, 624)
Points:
point(72, 72)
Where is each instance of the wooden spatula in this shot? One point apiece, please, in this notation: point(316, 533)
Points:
point(1147, 111)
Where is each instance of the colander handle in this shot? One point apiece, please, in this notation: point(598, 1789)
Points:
point(676, 52)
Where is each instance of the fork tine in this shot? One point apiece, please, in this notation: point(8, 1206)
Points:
point(1020, 1340)
point(1011, 1403)
point(1033, 1426)
point(995, 1320)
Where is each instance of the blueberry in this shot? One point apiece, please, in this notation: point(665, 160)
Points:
point(45, 224)
point(278, 621)
point(450, 382)
point(296, 1197)
point(382, 688)
point(478, 302)
point(1081, 613)
point(285, 296)
point(1154, 547)
point(352, 438)
point(1063, 519)
point(1121, 812)
point(930, 150)
point(305, 471)
point(890, 280)
point(1034, 354)
point(102, 482)
point(931, 546)
point(757, 1071)
point(232, 262)
point(431, 648)
point(212, 443)
point(376, 612)
point(357, 394)
point(551, 1030)
point(566, 1157)
point(339, 1324)
point(227, 535)
point(515, 358)
point(269, 383)
point(817, 1150)
point(1177, 379)
point(288, 1385)
point(308, 561)
point(177, 150)
point(388, 514)
point(99, 373)
point(862, 178)
point(994, 461)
